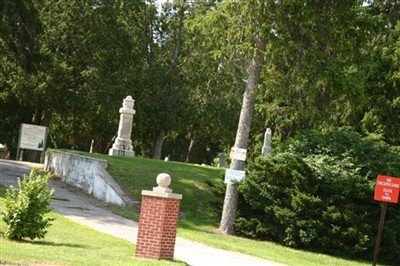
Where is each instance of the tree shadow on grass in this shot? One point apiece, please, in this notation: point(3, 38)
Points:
point(53, 244)
point(184, 263)
point(197, 226)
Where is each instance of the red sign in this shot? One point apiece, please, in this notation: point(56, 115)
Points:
point(387, 189)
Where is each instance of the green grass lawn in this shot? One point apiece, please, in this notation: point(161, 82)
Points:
point(199, 220)
point(137, 174)
point(69, 243)
point(265, 250)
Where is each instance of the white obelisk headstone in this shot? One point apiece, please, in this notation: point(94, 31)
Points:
point(266, 149)
point(123, 143)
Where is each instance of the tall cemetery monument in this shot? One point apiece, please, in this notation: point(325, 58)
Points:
point(123, 143)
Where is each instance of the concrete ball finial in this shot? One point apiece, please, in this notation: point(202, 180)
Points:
point(163, 180)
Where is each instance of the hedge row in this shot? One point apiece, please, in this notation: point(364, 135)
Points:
point(316, 192)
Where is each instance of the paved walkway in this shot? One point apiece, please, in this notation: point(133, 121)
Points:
point(85, 210)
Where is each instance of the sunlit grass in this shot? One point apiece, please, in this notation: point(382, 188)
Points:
point(262, 249)
point(199, 222)
point(69, 243)
point(137, 174)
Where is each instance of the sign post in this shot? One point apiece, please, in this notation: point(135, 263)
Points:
point(233, 174)
point(32, 137)
point(386, 190)
point(238, 154)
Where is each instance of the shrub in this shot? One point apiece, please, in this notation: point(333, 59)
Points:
point(316, 192)
point(370, 154)
point(24, 210)
point(282, 206)
point(347, 207)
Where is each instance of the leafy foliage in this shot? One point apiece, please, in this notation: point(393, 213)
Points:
point(24, 210)
point(316, 192)
point(311, 76)
point(68, 65)
point(380, 114)
point(281, 189)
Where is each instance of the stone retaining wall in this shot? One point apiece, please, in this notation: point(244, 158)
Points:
point(86, 173)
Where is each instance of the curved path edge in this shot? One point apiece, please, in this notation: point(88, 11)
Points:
point(86, 211)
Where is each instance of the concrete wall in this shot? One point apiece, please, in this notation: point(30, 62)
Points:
point(86, 173)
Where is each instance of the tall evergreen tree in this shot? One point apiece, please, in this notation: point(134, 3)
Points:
point(22, 69)
point(306, 47)
point(97, 62)
point(380, 114)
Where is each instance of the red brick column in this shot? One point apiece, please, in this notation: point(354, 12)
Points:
point(158, 220)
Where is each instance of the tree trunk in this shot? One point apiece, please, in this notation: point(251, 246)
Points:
point(46, 119)
point(170, 90)
point(242, 137)
point(159, 139)
point(190, 152)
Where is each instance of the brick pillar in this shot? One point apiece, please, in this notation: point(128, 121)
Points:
point(158, 220)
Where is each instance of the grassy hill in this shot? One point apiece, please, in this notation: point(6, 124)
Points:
point(200, 207)
point(195, 182)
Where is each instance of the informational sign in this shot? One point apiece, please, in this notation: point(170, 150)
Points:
point(238, 154)
point(234, 175)
point(387, 189)
point(32, 137)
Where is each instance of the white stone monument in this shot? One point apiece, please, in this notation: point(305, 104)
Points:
point(123, 143)
point(221, 159)
point(266, 149)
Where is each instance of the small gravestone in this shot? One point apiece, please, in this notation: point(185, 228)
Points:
point(123, 143)
point(266, 149)
point(3, 151)
point(91, 146)
point(221, 159)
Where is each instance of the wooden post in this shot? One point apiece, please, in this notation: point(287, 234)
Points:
point(379, 237)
